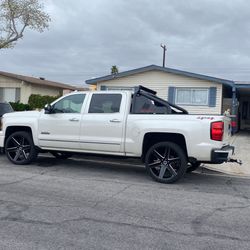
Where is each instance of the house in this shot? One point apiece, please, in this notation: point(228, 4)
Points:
point(15, 87)
point(199, 94)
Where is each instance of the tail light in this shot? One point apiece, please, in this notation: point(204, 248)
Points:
point(217, 131)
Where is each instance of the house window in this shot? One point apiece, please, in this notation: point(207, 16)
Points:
point(191, 96)
point(9, 94)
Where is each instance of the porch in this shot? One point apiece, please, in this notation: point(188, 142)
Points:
point(236, 100)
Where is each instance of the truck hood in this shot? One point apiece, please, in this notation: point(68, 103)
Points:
point(23, 114)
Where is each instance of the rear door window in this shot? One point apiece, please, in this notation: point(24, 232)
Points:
point(105, 103)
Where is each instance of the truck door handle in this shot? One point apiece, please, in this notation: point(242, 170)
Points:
point(74, 120)
point(115, 120)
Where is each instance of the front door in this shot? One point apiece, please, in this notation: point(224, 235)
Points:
point(61, 128)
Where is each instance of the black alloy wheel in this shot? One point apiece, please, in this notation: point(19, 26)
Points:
point(20, 149)
point(166, 162)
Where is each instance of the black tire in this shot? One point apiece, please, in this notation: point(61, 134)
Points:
point(20, 148)
point(193, 166)
point(166, 162)
point(61, 155)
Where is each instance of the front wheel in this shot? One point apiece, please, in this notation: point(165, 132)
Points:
point(166, 162)
point(20, 148)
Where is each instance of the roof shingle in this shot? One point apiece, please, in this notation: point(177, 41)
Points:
point(159, 68)
point(40, 81)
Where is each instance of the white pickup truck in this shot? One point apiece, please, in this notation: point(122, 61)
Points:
point(120, 123)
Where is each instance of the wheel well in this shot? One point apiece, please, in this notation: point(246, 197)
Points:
point(12, 129)
point(152, 138)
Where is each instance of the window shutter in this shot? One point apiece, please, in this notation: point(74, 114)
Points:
point(171, 94)
point(18, 94)
point(1, 95)
point(103, 87)
point(212, 96)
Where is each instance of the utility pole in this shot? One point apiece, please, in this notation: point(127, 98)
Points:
point(164, 53)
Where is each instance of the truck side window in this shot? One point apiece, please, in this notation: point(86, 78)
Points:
point(105, 103)
point(144, 105)
point(69, 104)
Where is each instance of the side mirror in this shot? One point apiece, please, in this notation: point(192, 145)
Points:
point(48, 109)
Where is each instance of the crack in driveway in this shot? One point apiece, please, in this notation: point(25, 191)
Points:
point(112, 196)
point(19, 181)
point(235, 189)
point(17, 218)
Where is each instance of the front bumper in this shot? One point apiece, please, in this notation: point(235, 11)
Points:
point(222, 155)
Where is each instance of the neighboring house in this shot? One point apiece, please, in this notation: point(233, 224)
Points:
point(199, 94)
point(15, 87)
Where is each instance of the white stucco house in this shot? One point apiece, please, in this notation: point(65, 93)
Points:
point(197, 93)
point(15, 87)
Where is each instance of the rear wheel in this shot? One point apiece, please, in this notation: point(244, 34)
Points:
point(166, 162)
point(20, 148)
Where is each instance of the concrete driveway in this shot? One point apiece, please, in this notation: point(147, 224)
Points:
point(241, 141)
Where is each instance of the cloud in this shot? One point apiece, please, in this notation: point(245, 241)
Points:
point(87, 37)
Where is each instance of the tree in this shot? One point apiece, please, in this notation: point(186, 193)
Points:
point(114, 70)
point(18, 15)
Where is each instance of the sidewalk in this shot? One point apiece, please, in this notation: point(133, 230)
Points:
point(241, 141)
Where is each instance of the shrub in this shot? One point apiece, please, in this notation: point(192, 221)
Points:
point(18, 106)
point(39, 101)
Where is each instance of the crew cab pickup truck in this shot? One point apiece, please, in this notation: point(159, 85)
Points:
point(119, 123)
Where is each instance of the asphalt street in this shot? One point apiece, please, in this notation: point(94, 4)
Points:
point(86, 203)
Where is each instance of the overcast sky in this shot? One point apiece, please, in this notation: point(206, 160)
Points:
point(87, 37)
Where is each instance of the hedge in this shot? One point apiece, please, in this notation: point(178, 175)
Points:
point(17, 106)
point(39, 101)
point(35, 102)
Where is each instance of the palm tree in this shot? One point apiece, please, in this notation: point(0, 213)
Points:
point(114, 70)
